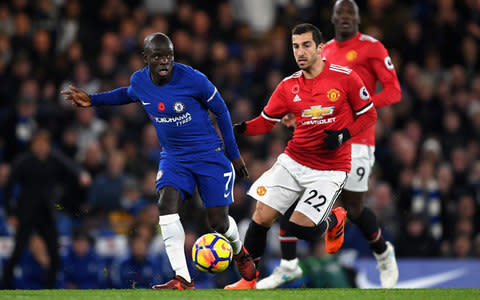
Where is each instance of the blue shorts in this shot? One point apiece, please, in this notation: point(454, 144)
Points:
point(213, 174)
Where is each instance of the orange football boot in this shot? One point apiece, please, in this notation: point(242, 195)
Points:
point(177, 283)
point(245, 264)
point(243, 284)
point(334, 237)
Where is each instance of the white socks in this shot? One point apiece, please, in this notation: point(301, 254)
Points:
point(174, 239)
point(289, 264)
point(233, 236)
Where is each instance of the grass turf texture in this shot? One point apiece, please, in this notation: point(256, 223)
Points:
point(298, 294)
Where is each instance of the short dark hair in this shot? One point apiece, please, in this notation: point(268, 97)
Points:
point(307, 27)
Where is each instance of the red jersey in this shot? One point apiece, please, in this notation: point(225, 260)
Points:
point(370, 60)
point(332, 100)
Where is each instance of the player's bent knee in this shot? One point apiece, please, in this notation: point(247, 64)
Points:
point(217, 218)
point(265, 215)
point(168, 200)
point(218, 223)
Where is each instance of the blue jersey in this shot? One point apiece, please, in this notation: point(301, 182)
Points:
point(179, 111)
point(192, 152)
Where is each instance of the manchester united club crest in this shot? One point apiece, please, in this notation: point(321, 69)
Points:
point(351, 55)
point(178, 107)
point(261, 190)
point(333, 95)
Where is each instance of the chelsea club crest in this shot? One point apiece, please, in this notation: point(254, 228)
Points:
point(179, 107)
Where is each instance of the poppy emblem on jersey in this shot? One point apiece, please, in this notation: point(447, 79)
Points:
point(364, 93)
point(178, 107)
point(333, 95)
point(351, 55)
point(295, 89)
point(388, 63)
point(159, 175)
point(261, 190)
point(317, 112)
point(161, 106)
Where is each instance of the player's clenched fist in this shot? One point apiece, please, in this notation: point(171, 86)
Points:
point(240, 167)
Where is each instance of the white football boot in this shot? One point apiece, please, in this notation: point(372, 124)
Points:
point(287, 271)
point(387, 266)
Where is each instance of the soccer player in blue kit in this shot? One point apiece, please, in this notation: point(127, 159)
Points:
point(177, 98)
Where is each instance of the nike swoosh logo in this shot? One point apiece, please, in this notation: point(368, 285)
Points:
point(145, 103)
point(419, 282)
point(286, 278)
point(226, 195)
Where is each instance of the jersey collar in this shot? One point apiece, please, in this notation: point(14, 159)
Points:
point(348, 42)
point(313, 81)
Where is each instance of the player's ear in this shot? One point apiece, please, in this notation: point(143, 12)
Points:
point(320, 48)
point(144, 57)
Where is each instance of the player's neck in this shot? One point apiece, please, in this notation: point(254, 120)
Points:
point(314, 70)
point(160, 80)
point(345, 37)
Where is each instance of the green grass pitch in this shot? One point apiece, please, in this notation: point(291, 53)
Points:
point(278, 294)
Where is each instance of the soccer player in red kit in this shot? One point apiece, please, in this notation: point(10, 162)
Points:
point(370, 60)
point(331, 105)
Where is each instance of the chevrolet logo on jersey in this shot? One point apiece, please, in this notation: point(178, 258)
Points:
point(317, 112)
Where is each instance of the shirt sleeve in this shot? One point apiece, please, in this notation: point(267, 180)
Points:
point(385, 72)
point(358, 95)
point(276, 107)
point(115, 97)
point(210, 96)
point(123, 95)
point(362, 105)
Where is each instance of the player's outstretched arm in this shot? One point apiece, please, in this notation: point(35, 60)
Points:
point(78, 96)
point(257, 126)
point(240, 168)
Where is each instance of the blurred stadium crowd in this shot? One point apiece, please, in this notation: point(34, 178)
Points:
point(425, 187)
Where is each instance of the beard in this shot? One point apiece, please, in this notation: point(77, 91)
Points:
point(307, 64)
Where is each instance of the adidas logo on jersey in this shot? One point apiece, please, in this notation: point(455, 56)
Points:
point(297, 98)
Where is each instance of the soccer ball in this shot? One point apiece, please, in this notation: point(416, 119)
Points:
point(212, 253)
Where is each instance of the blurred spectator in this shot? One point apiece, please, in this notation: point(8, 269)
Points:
point(149, 192)
point(416, 240)
point(136, 270)
point(462, 246)
point(93, 159)
point(88, 128)
point(19, 128)
point(37, 173)
point(82, 267)
point(105, 193)
point(82, 78)
point(35, 265)
point(260, 15)
point(383, 204)
point(426, 198)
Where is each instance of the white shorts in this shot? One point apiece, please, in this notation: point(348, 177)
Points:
point(288, 181)
point(363, 159)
